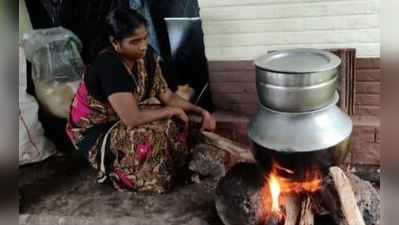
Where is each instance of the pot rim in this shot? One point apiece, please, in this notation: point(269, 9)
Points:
point(334, 61)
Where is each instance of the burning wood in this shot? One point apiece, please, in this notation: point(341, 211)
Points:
point(306, 217)
point(247, 196)
point(274, 213)
point(276, 219)
point(250, 195)
point(292, 208)
point(281, 188)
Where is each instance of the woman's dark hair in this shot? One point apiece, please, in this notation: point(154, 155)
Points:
point(120, 23)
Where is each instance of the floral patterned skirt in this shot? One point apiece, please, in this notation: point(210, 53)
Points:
point(144, 158)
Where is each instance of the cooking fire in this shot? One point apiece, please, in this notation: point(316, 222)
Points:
point(299, 138)
point(277, 188)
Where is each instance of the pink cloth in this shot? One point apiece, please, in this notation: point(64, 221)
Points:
point(80, 106)
point(144, 151)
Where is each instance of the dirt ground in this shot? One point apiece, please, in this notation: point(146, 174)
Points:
point(62, 190)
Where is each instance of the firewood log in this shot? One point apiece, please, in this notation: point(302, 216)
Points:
point(227, 145)
point(306, 216)
point(349, 207)
point(292, 208)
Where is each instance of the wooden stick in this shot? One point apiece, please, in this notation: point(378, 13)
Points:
point(227, 145)
point(292, 208)
point(306, 216)
point(347, 199)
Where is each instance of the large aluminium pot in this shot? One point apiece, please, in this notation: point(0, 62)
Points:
point(299, 141)
point(296, 99)
point(300, 132)
point(296, 67)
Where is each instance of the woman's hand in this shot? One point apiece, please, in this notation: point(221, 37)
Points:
point(208, 122)
point(179, 113)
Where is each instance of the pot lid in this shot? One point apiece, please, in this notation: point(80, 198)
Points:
point(300, 132)
point(303, 60)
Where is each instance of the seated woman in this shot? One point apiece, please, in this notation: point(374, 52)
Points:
point(132, 142)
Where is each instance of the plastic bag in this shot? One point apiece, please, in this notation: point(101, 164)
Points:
point(54, 53)
point(33, 146)
point(57, 67)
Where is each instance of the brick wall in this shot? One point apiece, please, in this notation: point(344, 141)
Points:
point(366, 135)
point(232, 86)
point(368, 87)
point(233, 91)
point(241, 30)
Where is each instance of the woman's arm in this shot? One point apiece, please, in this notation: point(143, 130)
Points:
point(125, 105)
point(171, 99)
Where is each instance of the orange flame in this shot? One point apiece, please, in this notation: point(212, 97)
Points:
point(271, 201)
point(273, 194)
point(275, 191)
